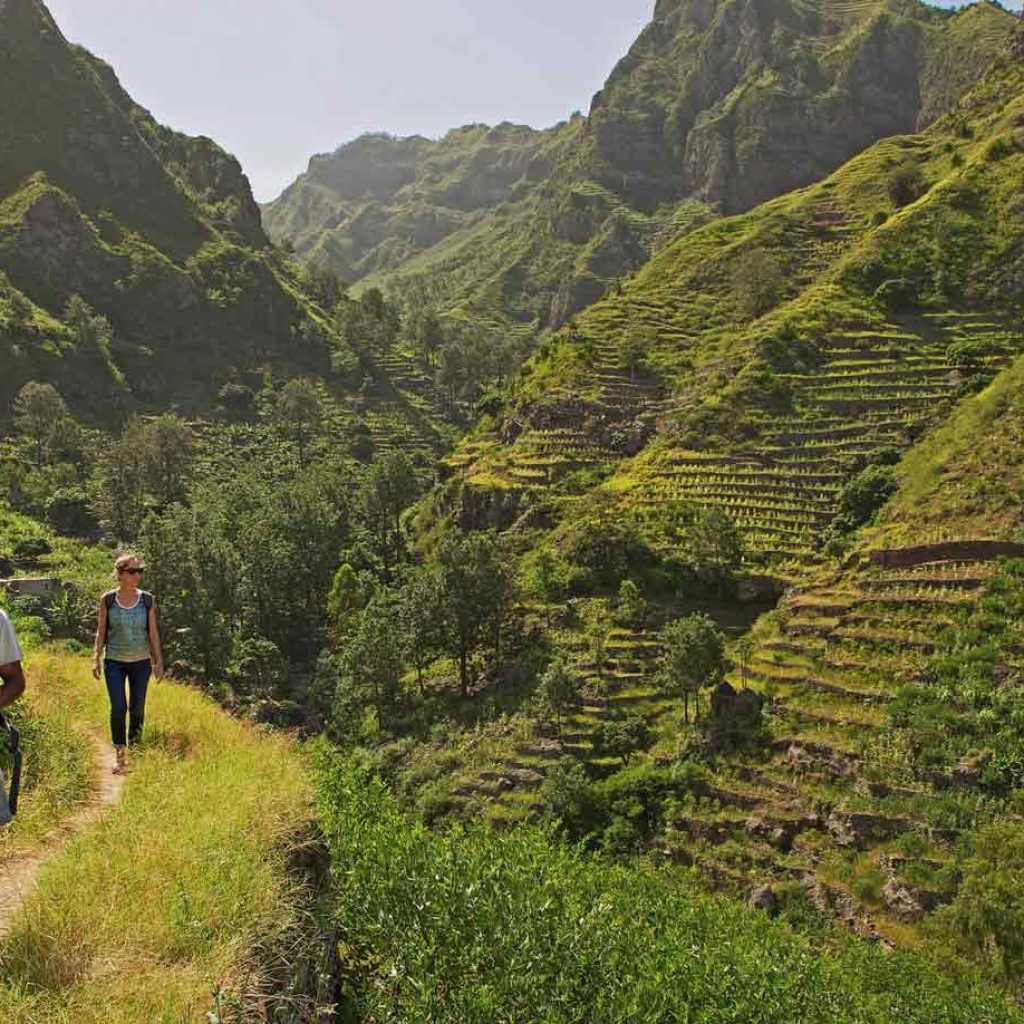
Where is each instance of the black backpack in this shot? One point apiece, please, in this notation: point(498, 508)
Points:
point(108, 602)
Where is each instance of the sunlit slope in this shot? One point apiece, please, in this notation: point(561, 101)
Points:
point(760, 361)
point(716, 106)
point(186, 887)
point(893, 729)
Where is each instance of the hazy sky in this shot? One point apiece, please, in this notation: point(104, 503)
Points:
point(275, 82)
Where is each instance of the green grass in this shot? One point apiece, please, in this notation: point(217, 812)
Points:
point(58, 772)
point(179, 887)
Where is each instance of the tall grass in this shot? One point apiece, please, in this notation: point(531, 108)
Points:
point(482, 928)
point(58, 754)
point(167, 897)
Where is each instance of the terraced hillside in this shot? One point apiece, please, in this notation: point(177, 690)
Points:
point(871, 392)
point(716, 106)
point(872, 764)
point(777, 355)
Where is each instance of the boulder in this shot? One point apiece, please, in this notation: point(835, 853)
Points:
point(764, 898)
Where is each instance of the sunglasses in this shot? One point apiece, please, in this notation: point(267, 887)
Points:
point(132, 572)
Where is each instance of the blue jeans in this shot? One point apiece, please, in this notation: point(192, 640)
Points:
point(137, 674)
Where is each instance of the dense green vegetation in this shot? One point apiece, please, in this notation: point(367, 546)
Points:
point(471, 927)
point(721, 591)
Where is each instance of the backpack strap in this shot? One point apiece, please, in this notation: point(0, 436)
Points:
point(108, 602)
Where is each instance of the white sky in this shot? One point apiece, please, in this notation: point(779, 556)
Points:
point(276, 82)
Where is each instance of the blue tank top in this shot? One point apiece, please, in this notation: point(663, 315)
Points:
point(128, 639)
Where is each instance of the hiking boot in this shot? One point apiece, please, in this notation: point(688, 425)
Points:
point(122, 761)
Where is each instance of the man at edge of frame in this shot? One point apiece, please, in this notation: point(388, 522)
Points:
point(12, 686)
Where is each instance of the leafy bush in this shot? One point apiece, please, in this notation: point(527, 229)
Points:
point(896, 294)
point(906, 184)
point(861, 497)
point(999, 148)
point(622, 737)
point(481, 927)
point(986, 920)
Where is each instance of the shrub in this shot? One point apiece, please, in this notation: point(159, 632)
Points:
point(865, 494)
point(477, 927)
point(906, 184)
point(568, 794)
point(986, 920)
point(999, 148)
point(896, 294)
point(868, 887)
point(622, 737)
point(759, 282)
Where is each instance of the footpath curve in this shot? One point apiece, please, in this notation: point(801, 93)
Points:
point(17, 877)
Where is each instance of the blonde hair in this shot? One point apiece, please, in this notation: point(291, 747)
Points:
point(123, 561)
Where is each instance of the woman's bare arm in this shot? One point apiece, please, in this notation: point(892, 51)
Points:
point(100, 639)
point(154, 643)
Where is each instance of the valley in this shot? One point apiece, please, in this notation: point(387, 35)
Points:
point(590, 560)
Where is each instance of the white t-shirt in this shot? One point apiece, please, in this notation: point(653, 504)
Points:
point(10, 652)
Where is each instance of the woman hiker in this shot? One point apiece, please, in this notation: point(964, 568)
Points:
point(127, 629)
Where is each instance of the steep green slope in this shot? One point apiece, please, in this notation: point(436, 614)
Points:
point(719, 104)
point(157, 234)
point(761, 362)
point(871, 397)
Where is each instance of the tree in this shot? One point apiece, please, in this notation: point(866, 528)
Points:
point(597, 622)
point(714, 546)
point(863, 495)
point(906, 184)
point(419, 619)
point(167, 457)
point(382, 319)
point(986, 920)
point(693, 656)
point(631, 608)
point(635, 344)
point(41, 414)
point(148, 466)
point(350, 592)
point(89, 329)
point(298, 409)
point(428, 335)
point(323, 285)
point(388, 489)
point(195, 571)
point(475, 587)
point(374, 656)
point(560, 691)
point(623, 737)
point(758, 282)
point(115, 499)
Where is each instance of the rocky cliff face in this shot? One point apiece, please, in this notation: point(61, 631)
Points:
point(158, 233)
point(728, 102)
point(377, 201)
point(735, 101)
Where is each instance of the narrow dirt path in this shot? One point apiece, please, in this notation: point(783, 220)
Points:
point(18, 876)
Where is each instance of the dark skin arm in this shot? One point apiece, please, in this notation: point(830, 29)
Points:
point(13, 683)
